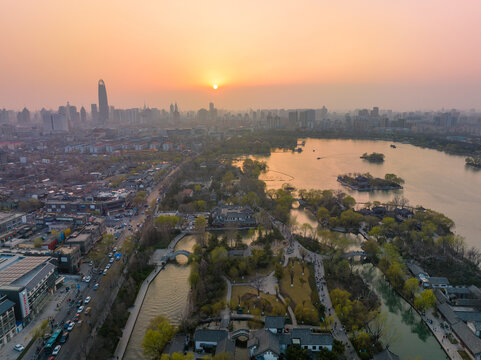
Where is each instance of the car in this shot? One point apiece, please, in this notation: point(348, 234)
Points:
point(65, 326)
point(111, 260)
point(87, 310)
point(96, 286)
point(87, 300)
point(105, 272)
point(80, 309)
point(115, 249)
point(19, 347)
point(79, 303)
point(64, 337)
point(91, 263)
point(83, 278)
point(108, 266)
point(76, 317)
point(87, 279)
point(110, 255)
point(51, 358)
point(56, 349)
point(70, 326)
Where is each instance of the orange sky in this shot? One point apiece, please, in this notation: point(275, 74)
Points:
point(406, 54)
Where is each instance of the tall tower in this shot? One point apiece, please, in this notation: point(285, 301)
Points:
point(103, 103)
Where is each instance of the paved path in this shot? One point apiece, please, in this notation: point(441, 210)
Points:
point(134, 313)
point(450, 349)
point(316, 259)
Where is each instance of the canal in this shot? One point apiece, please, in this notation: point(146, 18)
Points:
point(406, 334)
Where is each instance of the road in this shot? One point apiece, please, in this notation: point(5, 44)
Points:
point(67, 308)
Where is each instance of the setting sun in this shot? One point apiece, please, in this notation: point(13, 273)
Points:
point(215, 86)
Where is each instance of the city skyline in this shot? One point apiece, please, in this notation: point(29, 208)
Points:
point(349, 55)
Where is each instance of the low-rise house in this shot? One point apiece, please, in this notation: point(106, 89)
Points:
point(232, 216)
point(312, 341)
point(386, 355)
point(207, 339)
point(470, 341)
point(275, 324)
point(264, 345)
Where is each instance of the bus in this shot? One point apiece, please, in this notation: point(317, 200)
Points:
point(53, 339)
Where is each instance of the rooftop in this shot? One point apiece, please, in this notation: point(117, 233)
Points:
point(13, 267)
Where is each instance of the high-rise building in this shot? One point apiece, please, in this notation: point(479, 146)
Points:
point(94, 112)
point(103, 103)
point(83, 114)
point(23, 117)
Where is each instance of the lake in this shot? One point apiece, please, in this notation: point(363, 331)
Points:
point(434, 179)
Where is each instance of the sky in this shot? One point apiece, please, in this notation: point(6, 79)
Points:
point(344, 54)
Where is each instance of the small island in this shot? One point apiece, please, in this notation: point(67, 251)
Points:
point(474, 162)
point(366, 182)
point(374, 157)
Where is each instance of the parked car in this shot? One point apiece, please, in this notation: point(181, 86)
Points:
point(70, 326)
point(105, 272)
point(115, 249)
point(110, 255)
point(87, 300)
point(56, 350)
point(87, 279)
point(19, 347)
point(87, 310)
point(96, 286)
point(108, 266)
point(111, 260)
point(80, 309)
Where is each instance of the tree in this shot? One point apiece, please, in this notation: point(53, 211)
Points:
point(278, 271)
point(158, 334)
point(411, 286)
point(371, 248)
point(425, 300)
point(291, 273)
point(323, 215)
point(348, 202)
point(200, 224)
point(295, 352)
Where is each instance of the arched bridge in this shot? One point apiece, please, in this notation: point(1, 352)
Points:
point(172, 255)
point(238, 333)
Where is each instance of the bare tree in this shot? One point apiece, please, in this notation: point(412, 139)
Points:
point(258, 285)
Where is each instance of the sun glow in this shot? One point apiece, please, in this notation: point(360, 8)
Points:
point(215, 86)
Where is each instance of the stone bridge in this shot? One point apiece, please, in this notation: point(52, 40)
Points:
point(238, 333)
point(172, 255)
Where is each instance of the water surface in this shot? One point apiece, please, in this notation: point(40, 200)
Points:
point(434, 179)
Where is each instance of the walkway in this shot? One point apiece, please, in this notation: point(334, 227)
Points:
point(316, 259)
point(134, 313)
point(439, 333)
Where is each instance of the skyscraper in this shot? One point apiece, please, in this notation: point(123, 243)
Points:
point(103, 103)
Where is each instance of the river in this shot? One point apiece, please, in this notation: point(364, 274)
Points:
point(167, 296)
point(434, 179)
point(406, 334)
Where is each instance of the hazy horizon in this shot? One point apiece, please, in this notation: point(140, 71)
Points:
point(345, 55)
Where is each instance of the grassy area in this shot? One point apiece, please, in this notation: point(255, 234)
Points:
point(464, 355)
point(300, 291)
point(300, 294)
point(250, 303)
